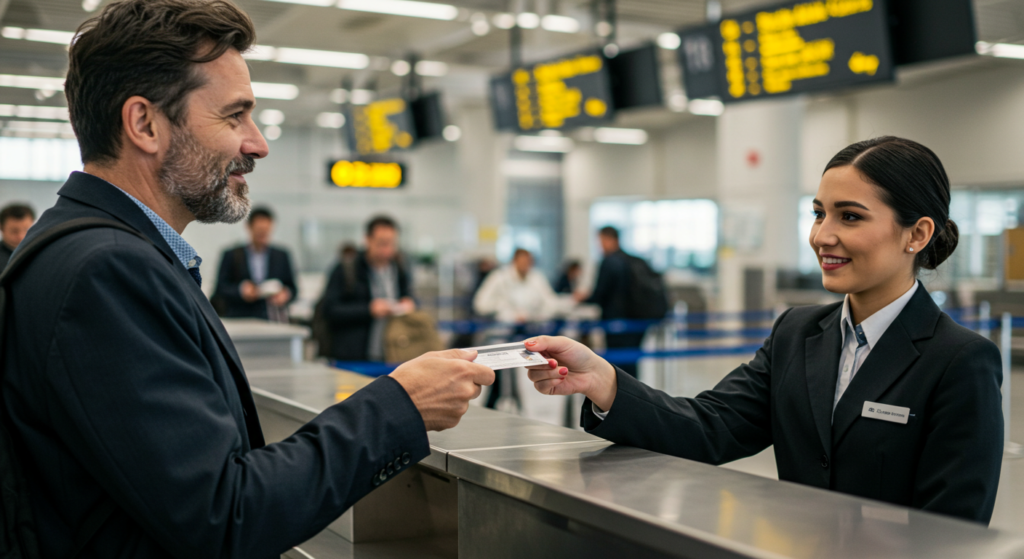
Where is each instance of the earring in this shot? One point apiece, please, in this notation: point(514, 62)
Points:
point(910, 249)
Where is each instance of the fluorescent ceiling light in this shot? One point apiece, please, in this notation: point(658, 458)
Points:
point(431, 68)
point(504, 21)
point(272, 132)
point(260, 52)
point(560, 24)
point(32, 82)
point(36, 126)
point(479, 25)
point(328, 58)
point(1000, 50)
point(528, 20)
point(677, 101)
point(670, 41)
point(630, 136)
point(91, 5)
point(284, 91)
point(324, 3)
point(552, 144)
point(452, 133)
point(409, 8)
point(361, 96)
point(706, 107)
point(272, 117)
point(33, 111)
point(38, 35)
point(400, 68)
point(330, 120)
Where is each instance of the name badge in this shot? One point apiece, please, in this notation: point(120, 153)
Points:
point(885, 412)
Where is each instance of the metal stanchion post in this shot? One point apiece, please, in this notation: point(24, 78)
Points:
point(984, 319)
point(1010, 449)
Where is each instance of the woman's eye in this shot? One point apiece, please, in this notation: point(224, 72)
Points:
point(818, 214)
point(847, 216)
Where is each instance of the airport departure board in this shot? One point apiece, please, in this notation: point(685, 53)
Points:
point(790, 48)
point(365, 174)
point(558, 94)
point(381, 126)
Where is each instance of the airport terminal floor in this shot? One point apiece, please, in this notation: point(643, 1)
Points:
point(488, 279)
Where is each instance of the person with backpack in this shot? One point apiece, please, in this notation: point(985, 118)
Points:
point(128, 429)
point(626, 288)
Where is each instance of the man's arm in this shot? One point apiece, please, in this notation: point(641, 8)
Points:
point(288, 275)
point(226, 289)
point(137, 403)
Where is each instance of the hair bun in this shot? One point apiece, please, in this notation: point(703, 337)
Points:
point(942, 245)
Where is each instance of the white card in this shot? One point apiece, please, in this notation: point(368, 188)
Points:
point(507, 356)
point(885, 412)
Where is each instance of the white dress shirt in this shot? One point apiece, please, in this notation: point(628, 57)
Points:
point(511, 297)
point(855, 347)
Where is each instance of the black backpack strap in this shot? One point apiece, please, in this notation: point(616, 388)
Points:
point(98, 516)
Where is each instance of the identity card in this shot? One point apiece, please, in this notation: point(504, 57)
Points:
point(507, 356)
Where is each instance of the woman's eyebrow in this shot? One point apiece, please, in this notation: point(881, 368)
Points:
point(850, 203)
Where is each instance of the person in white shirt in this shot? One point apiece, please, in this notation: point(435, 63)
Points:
point(882, 396)
point(517, 293)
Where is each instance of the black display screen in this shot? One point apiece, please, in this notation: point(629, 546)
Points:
point(790, 48)
point(636, 78)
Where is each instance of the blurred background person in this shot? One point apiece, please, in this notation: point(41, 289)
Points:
point(15, 220)
point(569, 281)
point(362, 293)
point(256, 280)
point(515, 295)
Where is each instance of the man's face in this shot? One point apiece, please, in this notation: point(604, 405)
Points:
point(382, 244)
point(207, 156)
point(14, 230)
point(609, 244)
point(260, 231)
point(523, 262)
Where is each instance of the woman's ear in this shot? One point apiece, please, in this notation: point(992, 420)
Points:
point(920, 234)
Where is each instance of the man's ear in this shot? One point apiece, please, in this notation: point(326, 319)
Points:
point(142, 124)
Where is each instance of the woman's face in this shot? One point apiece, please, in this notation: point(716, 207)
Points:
point(860, 245)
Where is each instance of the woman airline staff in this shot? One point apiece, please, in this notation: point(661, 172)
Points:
point(882, 396)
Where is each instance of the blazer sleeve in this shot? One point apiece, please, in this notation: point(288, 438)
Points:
point(958, 470)
point(729, 422)
point(226, 288)
point(137, 404)
point(340, 308)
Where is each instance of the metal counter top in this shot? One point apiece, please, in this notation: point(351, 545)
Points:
point(247, 329)
point(682, 507)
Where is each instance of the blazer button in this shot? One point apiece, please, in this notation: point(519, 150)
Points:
point(391, 469)
point(398, 464)
point(383, 475)
point(376, 481)
point(824, 461)
point(406, 458)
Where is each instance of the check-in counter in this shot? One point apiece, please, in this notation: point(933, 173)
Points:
point(502, 486)
point(255, 338)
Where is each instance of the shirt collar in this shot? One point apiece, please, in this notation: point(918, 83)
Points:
point(184, 251)
point(876, 325)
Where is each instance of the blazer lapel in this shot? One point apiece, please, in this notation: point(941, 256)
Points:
point(822, 370)
point(887, 362)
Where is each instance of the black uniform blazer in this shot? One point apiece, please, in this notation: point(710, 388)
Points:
point(946, 459)
point(346, 306)
point(122, 384)
point(611, 289)
point(234, 269)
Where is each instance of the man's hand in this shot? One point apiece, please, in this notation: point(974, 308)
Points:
point(380, 308)
point(580, 296)
point(406, 306)
point(249, 291)
point(441, 384)
point(572, 369)
point(281, 298)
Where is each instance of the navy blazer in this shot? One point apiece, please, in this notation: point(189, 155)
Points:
point(946, 459)
point(234, 269)
point(611, 289)
point(122, 384)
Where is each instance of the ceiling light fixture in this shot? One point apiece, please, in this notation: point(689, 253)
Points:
point(330, 120)
point(272, 132)
point(323, 3)
point(706, 107)
point(504, 21)
point(91, 5)
point(361, 96)
point(34, 111)
point(38, 35)
point(479, 25)
point(451, 133)
point(32, 82)
point(284, 91)
point(670, 41)
point(409, 8)
point(628, 136)
point(431, 68)
point(560, 24)
point(528, 20)
point(548, 144)
point(400, 68)
point(271, 117)
point(1000, 50)
point(327, 58)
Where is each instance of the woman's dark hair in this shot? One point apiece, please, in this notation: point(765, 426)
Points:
point(913, 183)
point(148, 48)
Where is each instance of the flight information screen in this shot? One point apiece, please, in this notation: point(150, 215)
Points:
point(381, 126)
point(559, 94)
point(790, 48)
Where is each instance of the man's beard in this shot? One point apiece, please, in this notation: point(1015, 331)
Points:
point(199, 178)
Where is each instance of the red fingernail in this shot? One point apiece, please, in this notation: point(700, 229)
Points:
point(563, 371)
point(552, 363)
point(530, 342)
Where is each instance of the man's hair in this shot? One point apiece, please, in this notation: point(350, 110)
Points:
point(15, 211)
point(521, 252)
point(261, 211)
point(609, 231)
point(380, 221)
point(149, 48)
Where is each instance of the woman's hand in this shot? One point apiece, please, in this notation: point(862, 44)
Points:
point(572, 369)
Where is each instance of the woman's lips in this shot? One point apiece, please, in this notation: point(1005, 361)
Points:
point(830, 262)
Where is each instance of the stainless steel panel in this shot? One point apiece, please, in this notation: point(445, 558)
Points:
point(328, 545)
point(677, 506)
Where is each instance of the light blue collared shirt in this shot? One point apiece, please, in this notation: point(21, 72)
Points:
point(184, 251)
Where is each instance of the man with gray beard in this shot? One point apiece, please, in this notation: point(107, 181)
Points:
point(134, 429)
